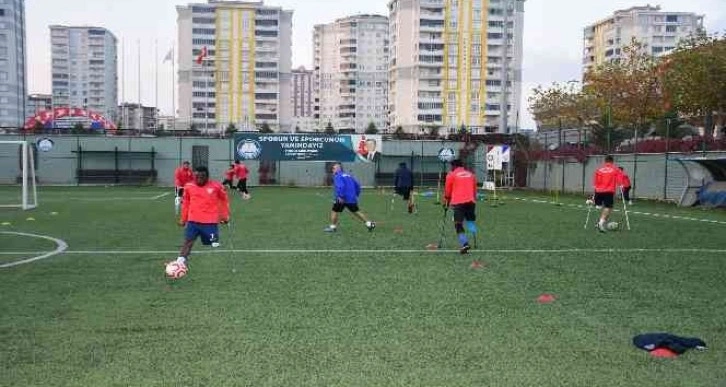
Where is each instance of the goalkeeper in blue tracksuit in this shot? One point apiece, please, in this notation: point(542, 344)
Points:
point(346, 191)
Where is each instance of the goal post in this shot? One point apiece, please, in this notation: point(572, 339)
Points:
point(17, 168)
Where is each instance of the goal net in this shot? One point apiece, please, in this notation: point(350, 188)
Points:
point(17, 175)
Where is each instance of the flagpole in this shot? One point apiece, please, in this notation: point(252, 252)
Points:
point(156, 83)
point(173, 87)
point(141, 114)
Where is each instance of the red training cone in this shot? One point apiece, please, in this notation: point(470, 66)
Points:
point(546, 299)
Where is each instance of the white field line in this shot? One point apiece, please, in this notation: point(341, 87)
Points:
point(654, 215)
point(157, 197)
point(383, 251)
point(61, 246)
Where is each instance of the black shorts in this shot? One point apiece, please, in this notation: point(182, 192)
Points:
point(242, 185)
point(227, 183)
point(405, 192)
point(339, 207)
point(466, 211)
point(605, 199)
point(179, 192)
point(626, 193)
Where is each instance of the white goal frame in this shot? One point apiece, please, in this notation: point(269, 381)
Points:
point(28, 176)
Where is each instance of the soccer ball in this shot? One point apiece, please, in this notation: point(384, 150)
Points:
point(613, 226)
point(176, 270)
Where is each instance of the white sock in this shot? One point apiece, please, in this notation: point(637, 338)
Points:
point(602, 222)
point(333, 226)
point(181, 260)
point(369, 223)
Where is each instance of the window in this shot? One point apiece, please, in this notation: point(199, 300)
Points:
point(3, 76)
point(671, 29)
point(672, 19)
point(2, 12)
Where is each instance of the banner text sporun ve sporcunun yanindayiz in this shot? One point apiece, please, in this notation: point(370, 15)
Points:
point(308, 147)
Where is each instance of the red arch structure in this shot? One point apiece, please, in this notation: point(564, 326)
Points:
point(47, 117)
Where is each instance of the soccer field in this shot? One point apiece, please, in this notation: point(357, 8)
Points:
point(283, 304)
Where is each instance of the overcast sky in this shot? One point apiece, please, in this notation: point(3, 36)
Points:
point(552, 35)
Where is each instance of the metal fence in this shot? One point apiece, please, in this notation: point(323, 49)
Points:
point(134, 160)
point(565, 160)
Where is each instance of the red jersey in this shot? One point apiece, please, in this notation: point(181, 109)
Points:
point(460, 187)
point(607, 177)
point(241, 171)
point(183, 176)
point(229, 174)
point(205, 204)
point(624, 180)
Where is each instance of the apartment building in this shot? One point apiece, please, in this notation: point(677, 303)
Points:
point(235, 65)
point(455, 64)
point(351, 58)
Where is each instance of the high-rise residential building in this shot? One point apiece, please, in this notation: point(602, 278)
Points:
point(136, 116)
point(351, 72)
point(37, 103)
point(454, 64)
point(13, 88)
point(235, 65)
point(303, 100)
point(658, 31)
point(84, 69)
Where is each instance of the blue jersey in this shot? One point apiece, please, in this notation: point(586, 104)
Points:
point(345, 187)
point(403, 178)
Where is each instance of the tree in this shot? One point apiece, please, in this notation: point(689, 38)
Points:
point(78, 128)
point(38, 126)
point(695, 79)
point(265, 128)
point(329, 128)
point(231, 129)
point(628, 91)
point(193, 128)
point(399, 133)
point(297, 129)
point(434, 131)
point(371, 129)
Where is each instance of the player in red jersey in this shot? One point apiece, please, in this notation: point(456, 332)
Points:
point(182, 176)
point(242, 172)
point(229, 177)
point(605, 181)
point(205, 205)
point(460, 193)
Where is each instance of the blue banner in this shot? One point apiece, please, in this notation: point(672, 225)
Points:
point(307, 147)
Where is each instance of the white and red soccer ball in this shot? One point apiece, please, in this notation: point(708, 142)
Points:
point(176, 270)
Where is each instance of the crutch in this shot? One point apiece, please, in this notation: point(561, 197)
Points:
point(625, 209)
point(589, 211)
point(442, 231)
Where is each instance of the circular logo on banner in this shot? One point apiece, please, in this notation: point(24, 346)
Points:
point(249, 150)
point(447, 155)
point(45, 144)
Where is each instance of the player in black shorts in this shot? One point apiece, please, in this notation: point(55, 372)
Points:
point(403, 181)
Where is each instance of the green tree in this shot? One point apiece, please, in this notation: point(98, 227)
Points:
point(629, 92)
point(371, 129)
point(265, 128)
point(695, 79)
point(433, 131)
point(78, 128)
point(231, 129)
point(329, 128)
point(399, 133)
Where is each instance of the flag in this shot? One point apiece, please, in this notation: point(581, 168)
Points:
point(202, 55)
point(169, 56)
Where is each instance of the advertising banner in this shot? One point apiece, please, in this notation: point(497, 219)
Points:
point(308, 147)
